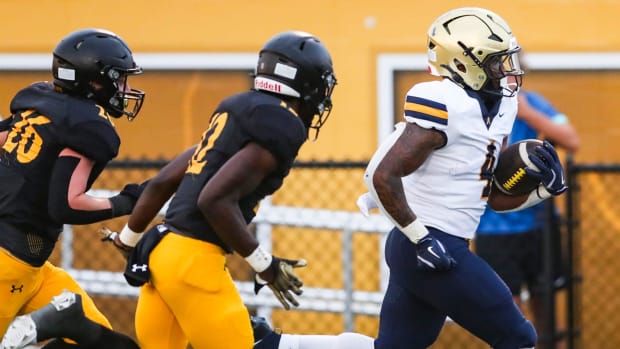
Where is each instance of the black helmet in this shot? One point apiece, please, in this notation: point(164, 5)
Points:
point(95, 63)
point(298, 65)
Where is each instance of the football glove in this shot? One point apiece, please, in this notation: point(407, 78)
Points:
point(433, 256)
point(281, 279)
point(550, 171)
point(124, 202)
point(114, 238)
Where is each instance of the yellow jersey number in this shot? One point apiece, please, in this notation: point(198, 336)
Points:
point(198, 161)
point(24, 138)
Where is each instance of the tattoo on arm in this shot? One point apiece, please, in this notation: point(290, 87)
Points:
point(407, 154)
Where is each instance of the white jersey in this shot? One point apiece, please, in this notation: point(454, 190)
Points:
point(449, 191)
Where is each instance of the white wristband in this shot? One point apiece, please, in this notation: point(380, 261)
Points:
point(129, 237)
point(259, 260)
point(537, 195)
point(542, 192)
point(415, 231)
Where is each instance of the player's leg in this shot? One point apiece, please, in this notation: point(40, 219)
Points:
point(407, 321)
point(70, 314)
point(191, 276)
point(20, 281)
point(483, 305)
point(156, 326)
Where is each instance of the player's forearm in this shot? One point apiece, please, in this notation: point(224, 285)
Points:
point(391, 196)
point(159, 190)
point(3, 137)
point(226, 219)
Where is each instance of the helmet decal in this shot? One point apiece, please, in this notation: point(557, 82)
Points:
point(285, 71)
point(297, 64)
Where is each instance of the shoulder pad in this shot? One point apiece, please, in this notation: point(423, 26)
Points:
point(277, 129)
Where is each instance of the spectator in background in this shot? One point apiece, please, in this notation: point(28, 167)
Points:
point(511, 242)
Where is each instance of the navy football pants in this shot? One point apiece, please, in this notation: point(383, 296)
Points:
point(417, 302)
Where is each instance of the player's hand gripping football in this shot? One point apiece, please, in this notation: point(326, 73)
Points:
point(433, 256)
point(114, 238)
point(550, 171)
point(282, 280)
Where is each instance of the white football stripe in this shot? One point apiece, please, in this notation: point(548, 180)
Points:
point(524, 156)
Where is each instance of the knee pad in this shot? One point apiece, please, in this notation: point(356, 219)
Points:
point(524, 337)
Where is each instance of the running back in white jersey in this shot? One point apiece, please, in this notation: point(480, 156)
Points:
point(449, 191)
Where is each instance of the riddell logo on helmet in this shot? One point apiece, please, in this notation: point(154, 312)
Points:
point(269, 85)
point(266, 84)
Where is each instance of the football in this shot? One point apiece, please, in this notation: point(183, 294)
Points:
point(510, 176)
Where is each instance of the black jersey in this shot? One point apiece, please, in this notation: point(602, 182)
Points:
point(240, 119)
point(43, 123)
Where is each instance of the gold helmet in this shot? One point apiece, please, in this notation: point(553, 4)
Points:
point(475, 48)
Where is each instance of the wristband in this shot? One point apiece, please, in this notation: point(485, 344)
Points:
point(537, 195)
point(415, 231)
point(542, 192)
point(129, 237)
point(259, 260)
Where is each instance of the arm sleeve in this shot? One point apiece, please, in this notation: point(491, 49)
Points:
point(58, 201)
point(6, 124)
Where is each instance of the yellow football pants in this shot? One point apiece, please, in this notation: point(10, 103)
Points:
point(24, 289)
point(191, 298)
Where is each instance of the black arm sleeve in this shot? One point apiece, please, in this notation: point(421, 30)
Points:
point(5, 124)
point(58, 201)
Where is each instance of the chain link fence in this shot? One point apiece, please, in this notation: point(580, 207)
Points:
point(594, 224)
point(314, 216)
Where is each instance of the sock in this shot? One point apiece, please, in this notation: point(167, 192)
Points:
point(341, 341)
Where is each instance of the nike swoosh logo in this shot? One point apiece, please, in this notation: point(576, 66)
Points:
point(430, 250)
point(500, 115)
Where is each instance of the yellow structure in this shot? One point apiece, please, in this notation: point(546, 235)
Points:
point(179, 103)
point(355, 31)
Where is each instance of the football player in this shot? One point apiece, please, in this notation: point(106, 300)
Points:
point(433, 178)
point(187, 294)
point(55, 144)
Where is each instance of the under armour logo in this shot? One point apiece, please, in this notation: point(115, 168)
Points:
point(19, 289)
point(136, 267)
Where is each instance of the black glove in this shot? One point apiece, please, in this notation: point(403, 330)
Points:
point(114, 238)
point(124, 202)
point(281, 279)
point(433, 256)
point(133, 190)
point(550, 171)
